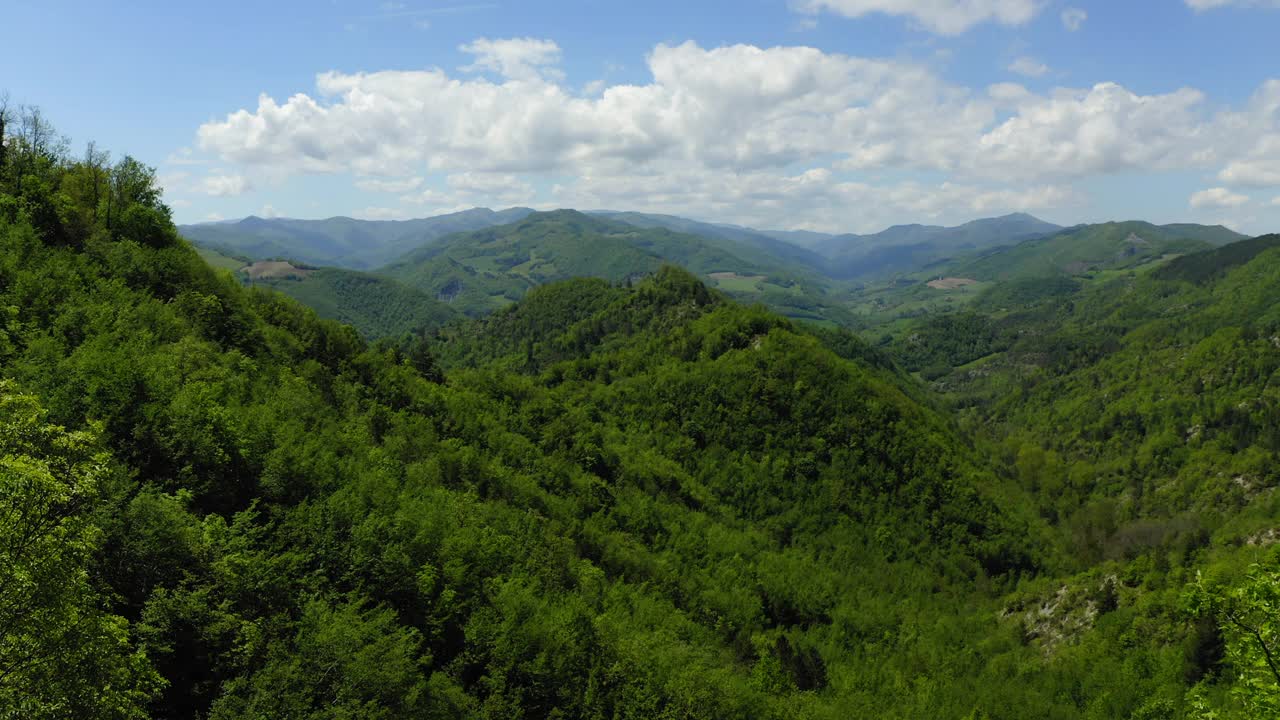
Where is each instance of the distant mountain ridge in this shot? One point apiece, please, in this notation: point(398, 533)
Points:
point(486, 269)
point(904, 247)
point(779, 248)
point(1089, 248)
point(340, 241)
point(370, 244)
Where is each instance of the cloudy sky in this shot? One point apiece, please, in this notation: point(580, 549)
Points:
point(835, 115)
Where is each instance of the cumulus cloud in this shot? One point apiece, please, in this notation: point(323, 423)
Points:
point(1030, 67)
point(389, 186)
point(225, 185)
point(1217, 198)
point(944, 17)
point(172, 181)
point(515, 59)
point(182, 156)
point(1105, 129)
point(814, 199)
point(383, 213)
point(741, 118)
point(468, 189)
point(1253, 137)
point(1073, 18)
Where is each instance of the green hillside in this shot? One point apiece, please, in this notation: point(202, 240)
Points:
point(747, 243)
point(1036, 267)
point(376, 306)
point(481, 271)
point(613, 501)
point(905, 248)
point(1089, 249)
point(220, 260)
point(1142, 412)
point(222, 506)
point(339, 241)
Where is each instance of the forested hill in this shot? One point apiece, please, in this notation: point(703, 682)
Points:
point(603, 501)
point(1090, 249)
point(483, 270)
point(220, 506)
point(340, 241)
point(1143, 414)
point(905, 248)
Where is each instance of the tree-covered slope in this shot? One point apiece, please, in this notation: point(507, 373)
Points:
point(701, 513)
point(339, 241)
point(904, 248)
point(1143, 415)
point(623, 502)
point(1088, 249)
point(376, 306)
point(748, 243)
point(299, 522)
point(484, 270)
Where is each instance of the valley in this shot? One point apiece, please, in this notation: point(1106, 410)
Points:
point(565, 464)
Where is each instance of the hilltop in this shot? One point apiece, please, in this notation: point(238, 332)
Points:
point(480, 271)
point(339, 241)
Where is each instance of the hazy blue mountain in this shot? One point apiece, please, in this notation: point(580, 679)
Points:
point(804, 238)
point(903, 248)
point(339, 241)
point(1088, 249)
point(480, 271)
point(773, 248)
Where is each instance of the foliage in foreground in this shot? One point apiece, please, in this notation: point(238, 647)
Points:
point(621, 502)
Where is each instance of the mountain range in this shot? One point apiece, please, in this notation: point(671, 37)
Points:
point(495, 262)
point(628, 495)
point(339, 241)
point(368, 244)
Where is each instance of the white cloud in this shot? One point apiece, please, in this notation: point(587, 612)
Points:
point(1030, 67)
point(1202, 5)
point(726, 115)
point(1217, 198)
point(469, 189)
point(1106, 129)
point(268, 212)
point(1073, 18)
point(944, 17)
point(225, 185)
point(389, 186)
point(816, 197)
point(182, 156)
point(505, 187)
point(1254, 136)
point(214, 217)
point(515, 59)
point(383, 213)
point(173, 181)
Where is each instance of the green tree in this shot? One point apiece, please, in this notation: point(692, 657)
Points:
point(61, 654)
point(1249, 618)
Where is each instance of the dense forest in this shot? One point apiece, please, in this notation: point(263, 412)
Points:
point(633, 499)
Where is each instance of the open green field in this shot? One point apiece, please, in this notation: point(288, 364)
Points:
point(220, 261)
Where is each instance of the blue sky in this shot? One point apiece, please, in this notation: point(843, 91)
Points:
point(837, 115)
